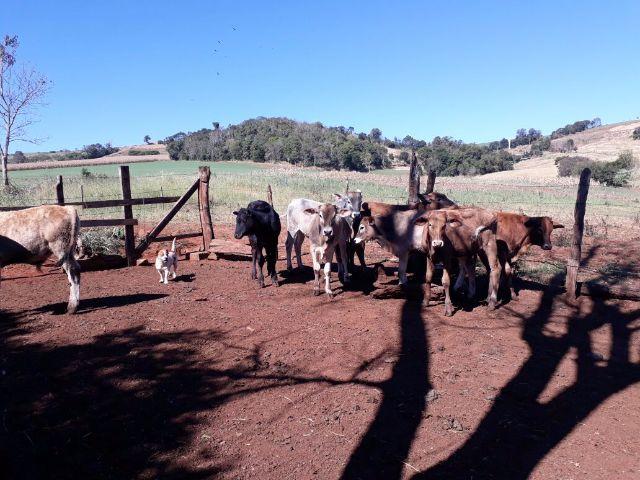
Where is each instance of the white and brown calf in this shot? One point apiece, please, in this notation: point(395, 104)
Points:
point(34, 234)
point(328, 231)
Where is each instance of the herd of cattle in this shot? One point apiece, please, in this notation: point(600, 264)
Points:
point(442, 231)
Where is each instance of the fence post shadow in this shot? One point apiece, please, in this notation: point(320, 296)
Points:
point(386, 443)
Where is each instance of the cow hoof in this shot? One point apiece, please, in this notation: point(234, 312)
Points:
point(330, 295)
point(254, 276)
point(448, 311)
point(492, 304)
point(275, 282)
point(316, 292)
point(425, 303)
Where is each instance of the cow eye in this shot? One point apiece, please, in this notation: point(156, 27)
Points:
point(361, 228)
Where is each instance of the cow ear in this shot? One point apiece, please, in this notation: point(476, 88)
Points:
point(421, 220)
point(345, 212)
point(558, 225)
point(424, 200)
point(310, 211)
point(235, 213)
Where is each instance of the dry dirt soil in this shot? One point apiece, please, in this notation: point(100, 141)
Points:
point(212, 377)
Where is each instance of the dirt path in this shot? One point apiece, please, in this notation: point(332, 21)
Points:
point(211, 377)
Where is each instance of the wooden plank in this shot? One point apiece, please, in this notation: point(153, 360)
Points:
point(124, 203)
point(203, 202)
point(13, 209)
point(127, 210)
point(270, 194)
point(573, 262)
point(108, 222)
point(169, 238)
point(144, 243)
point(414, 179)
point(60, 191)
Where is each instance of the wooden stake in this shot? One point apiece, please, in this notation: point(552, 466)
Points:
point(203, 201)
point(573, 262)
point(431, 182)
point(129, 240)
point(414, 179)
point(60, 190)
point(269, 195)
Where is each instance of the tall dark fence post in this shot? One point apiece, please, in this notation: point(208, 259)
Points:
point(573, 262)
point(414, 179)
point(60, 190)
point(129, 240)
point(203, 200)
point(431, 182)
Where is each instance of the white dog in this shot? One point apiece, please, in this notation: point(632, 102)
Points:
point(167, 262)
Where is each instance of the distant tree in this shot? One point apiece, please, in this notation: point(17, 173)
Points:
point(375, 135)
point(216, 125)
point(21, 93)
point(636, 134)
point(97, 150)
point(147, 139)
point(18, 157)
point(362, 136)
point(596, 122)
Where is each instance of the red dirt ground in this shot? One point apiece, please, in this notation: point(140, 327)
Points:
point(212, 377)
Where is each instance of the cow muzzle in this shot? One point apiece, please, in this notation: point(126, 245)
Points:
point(328, 232)
point(546, 246)
point(237, 235)
point(437, 243)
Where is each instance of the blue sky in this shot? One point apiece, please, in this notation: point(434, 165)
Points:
point(475, 70)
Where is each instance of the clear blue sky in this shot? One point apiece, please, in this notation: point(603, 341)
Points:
point(475, 70)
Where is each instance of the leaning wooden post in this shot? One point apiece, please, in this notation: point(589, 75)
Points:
point(203, 201)
point(573, 263)
point(269, 195)
point(414, 179)
point(431, 182)
point(129, 240)
point(60, 190)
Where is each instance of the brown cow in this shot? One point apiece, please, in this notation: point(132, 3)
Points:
point(431, 201)
point(328, 231)
point(34, 234)
point(460, 234)
point(515, 234)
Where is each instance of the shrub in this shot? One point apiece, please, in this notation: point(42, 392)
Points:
point(18, 157)
point(635, 135)
point(97, 150)
point(134, 152)
point(572, 166)
point(404, 156)
point(616, 173)
point(102, 241)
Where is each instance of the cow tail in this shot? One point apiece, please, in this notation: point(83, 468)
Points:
point(75, 242)
point(173, 245)
point(489, 226)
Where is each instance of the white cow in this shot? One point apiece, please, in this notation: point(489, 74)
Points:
point(34, 234)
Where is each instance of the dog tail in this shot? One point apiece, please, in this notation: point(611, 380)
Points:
point(173, 245)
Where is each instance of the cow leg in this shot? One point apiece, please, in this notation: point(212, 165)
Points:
point(298, 246)
point(359, 247)
point(494, 280)
point(261, 260)
point(316, 273)
point(272, 257)
point(72, 267)
point(403, 259)
point(508, 273)
point(470, 268)
point(427, 283)
point(161, 276)
point(327, 271)
point(254, 261)
point(462, 272)
point(342, 255)
point(446, 282)
point(289, 245)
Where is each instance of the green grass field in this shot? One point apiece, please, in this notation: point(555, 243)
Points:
point(234, 184)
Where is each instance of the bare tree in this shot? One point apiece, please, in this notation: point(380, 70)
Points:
point(21, 93)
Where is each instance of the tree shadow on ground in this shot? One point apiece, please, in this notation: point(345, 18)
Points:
point(520, 430)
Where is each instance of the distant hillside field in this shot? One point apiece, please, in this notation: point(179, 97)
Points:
point(602, 144)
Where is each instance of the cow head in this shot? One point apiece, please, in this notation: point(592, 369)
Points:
point(435, 201)
point(344, 202)
point(435, 223)
point(245, 222)
point(366, 230)
point(328, 215)
point(540, 229)
point(356, 202)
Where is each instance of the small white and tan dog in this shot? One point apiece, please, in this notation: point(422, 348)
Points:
point(167, 262)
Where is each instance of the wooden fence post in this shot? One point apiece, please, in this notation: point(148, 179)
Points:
point(129, 240)
point(431, 182)
point(414, 179)
point(203, 201)
point(60, 190)
point(573, 262)
point(269, 195)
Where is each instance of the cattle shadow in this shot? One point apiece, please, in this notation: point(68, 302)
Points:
point(100, 303)
point(386, 443)
point(519, 430)
point(300, 275)
point(185, 277)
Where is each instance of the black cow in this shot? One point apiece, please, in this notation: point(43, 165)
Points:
point(261, 223)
